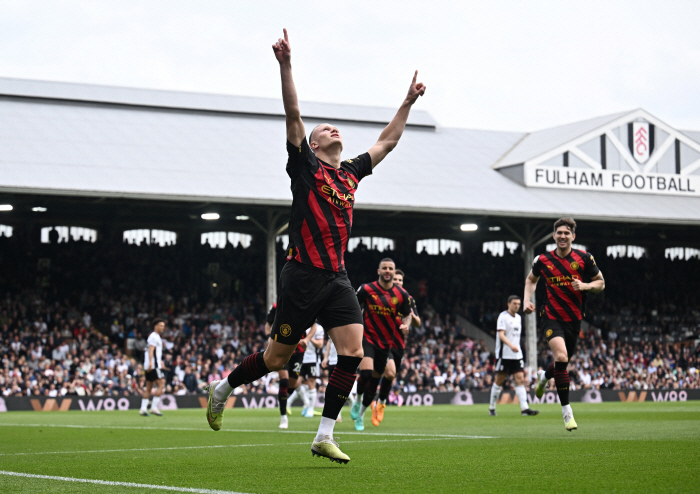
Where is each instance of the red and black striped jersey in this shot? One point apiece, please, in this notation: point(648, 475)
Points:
point(563, 303)
point(381, 308)
point(323, 198)
point(400, 342)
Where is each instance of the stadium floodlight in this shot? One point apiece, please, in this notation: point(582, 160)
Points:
point(494, 228)
point(5, 207)
point(469, 227)
point(210, 216)
point(242, 217)
point(39, 209)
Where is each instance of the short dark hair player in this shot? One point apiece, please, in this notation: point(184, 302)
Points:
point(565, 271)
point(313, 283)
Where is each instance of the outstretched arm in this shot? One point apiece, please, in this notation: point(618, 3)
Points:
point(295, 127)
point(391, 134)
point(530, 287)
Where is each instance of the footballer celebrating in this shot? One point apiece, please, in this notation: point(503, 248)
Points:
point(314, 283)
point(382, 301)
point(566, 271)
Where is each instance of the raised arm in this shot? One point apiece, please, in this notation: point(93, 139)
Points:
point(295, 127)
point(391, 134)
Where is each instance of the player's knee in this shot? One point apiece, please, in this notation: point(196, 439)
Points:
point(274, 362)
point(561, 357)
point(390, 374)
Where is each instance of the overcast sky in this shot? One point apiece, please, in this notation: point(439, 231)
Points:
point(517, 66)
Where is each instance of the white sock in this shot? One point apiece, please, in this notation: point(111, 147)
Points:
point(362, 410)
point(325, 428)
point(522, 397)
point(382, 402)
point(566, 409)
point(304, 393)
point(292, 397)
point(312, 397)
point(495, 393)
point(155, 402)
point(223, 390)
point(144, 404)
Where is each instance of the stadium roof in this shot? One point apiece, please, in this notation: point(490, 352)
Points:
point(96, 141)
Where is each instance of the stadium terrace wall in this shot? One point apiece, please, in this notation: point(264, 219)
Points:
point(170, 402)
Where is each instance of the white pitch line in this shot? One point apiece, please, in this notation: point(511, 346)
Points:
point(121, 484)
point(213, 446)
point(196, 429)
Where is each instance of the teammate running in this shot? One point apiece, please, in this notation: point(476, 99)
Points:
point(152, 366)
point(395, 357)
point(310, 370)
point(564, 270)
point(383, 302)
point(289, 375)
point(510, 357)
point(314, 283)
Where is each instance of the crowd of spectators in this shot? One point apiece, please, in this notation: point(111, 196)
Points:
point(74, 318)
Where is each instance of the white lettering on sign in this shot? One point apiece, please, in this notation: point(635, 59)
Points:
point(611, 180)
point(640, 141)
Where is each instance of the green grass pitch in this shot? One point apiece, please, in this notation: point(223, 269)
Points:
point(619, 447)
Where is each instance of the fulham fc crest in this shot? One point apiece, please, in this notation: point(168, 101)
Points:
point(640, 142)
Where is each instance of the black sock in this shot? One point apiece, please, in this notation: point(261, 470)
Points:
point(370, 391)
point(384, 388)
point(251, 369)
point(365, 376)
point(549, 373)
point(561, 378)
point(340, 384)
point(283, 394)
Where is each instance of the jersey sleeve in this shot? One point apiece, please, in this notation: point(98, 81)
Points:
point(537, 266)
point(405, 308)
point(298, 157)
point(501, 324)
point(361, 294)
point(414, 307)
point(271, 315)
point(360, 166)
point(591, 268)
point(153, 339)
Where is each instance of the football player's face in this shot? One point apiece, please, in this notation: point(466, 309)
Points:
point(514, 305)
point(398, 279)
point(563, 237)
point(386, 271)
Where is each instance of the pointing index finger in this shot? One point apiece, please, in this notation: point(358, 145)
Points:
point(286, 38)
point(415, 75)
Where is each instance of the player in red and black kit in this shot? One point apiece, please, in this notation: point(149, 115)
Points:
point(382, 302)
point(569, 273)
point(289, 375)
point(395, 355)
point(314, 284)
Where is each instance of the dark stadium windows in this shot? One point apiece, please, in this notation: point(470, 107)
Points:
point(497, 248)
point(379, 244)
point(616, 251)
point(219, 240)
point(681, 253)
point(5, 231)
point(436, 246)
point(155, 237)
point(63, 234)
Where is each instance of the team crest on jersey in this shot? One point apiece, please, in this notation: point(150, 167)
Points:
point(351, 183)
point(394, 300)
point(285, 330)
point(575, 265)
point(549, 333)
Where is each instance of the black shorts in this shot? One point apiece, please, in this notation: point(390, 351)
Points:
point(509, 366)
point(293, 367)
point(309, 370)
point(567, 330)
point(306, 294)
point(154, 375)
point(396, 354)
point(377, 354)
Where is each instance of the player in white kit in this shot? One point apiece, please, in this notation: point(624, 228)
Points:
point(310, 369)
point(152, 365)
point(509, 357)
